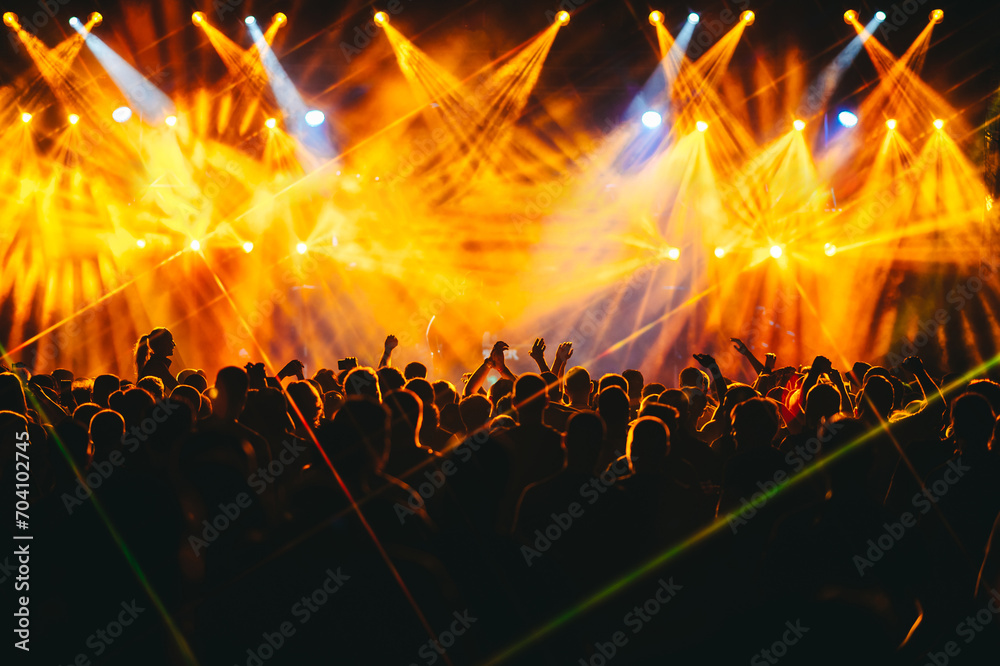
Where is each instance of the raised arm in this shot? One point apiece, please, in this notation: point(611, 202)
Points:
point(718, 381)
point(538, 354)
point(929, 389)
point(745, 352)
point(390, 343)
point(563, 352)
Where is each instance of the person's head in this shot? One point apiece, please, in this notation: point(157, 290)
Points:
point(332, 401)
point(407, 411)
point(635, 385)
point(231, 385)
point(362, 381)
point(877, 394)
point(75, 441)
point(358, 436)
point(554, 386)
point(104, 385)
point(822, 401)
point(972, 421)
point(444, 393)
point(584, 437)
point(158, 341)
point(670, 417)
point(60, 375)
point(859, 370)
point(530, 398)
point(83, 413)
point(735, 394)
point(135, 404)
point(694, 378)
point(654, 388)
point(389, 379)
point(500, 388)
point(578, 386)
point(152, 384)
point(989, 389)
point(414, 370)
point(307, 399)
point(648, 444)
point(12, 394)
point(612, 379)
point(755, 423)
point(189, 393)
point(195, 380)
point(425, 391)
point(679, 400)
point(451, 418)
point(612, 405)
point(107, 428)
point(475, 411)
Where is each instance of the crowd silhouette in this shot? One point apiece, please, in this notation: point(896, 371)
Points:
point(373, 515)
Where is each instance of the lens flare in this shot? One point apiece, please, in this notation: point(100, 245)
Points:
point(799, 124)
point(701, 125)
point(315, 118)
point(937, 16)
point(73, 119)
point(651, 119)
point(693, 17)
point(170, 120)
point(829, 249)
point(850, 16)
point(381, 18)
point(938, 123)
point(140, 243)
point(121, 114)
point(656, 17)
point(748, 17)
point(673, 254)
point(562, 18)
point(195, 245)
point(776, 251)
point(301, 248)
point(25, 117)
point(198, 18)
point(891, 123)
point(271, 123)
point(248, 247)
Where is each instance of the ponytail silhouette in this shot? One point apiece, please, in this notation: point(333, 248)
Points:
point(143, 350)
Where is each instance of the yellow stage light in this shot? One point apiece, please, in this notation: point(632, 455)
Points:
point(10, 19)
point(850, 16)
point(776, 251)
point(799, 124)
point(248, 247)
point(170, 120)
point(701, 125)
point(279, 18)
point(95, 19)
point(140, 243)
point(271, 123)
point(25, 117)
point(891, 123)
point(562, 17)
point(720, 252)
point(937, 16)
point(748, 17)
point(673, 254)
point(381, 18)
point(939, 123)
point(198, 18)
point(301, 248)
point(195, 245)
point(830, 249)
point(656, 18)
point(73, 119)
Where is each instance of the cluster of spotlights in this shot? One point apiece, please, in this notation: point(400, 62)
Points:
point(247, 246)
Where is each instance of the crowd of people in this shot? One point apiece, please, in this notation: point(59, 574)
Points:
point(377, 515)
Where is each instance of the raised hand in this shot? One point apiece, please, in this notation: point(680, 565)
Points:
point(256, 375)
point(564, 351)
point(739, 346)
point(538, 349)
point(496, 355)
point(706, 361)
point(294, 368)
point(391, 342)
point(769, 361)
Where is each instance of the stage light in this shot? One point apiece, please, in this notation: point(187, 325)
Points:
point(799, 124)
point(301, 248)
point(701, 125)
point(381, 18)
point(73, 119)
point(121, 114)
point(673, 254)
point(248, 247)
point(279, 18)
point(271, 123)
point(748, 17)
point(656, 18)
point(25, 117)
point(829, 249)
point(850, 16)
point(880, 16)
point(10, 19)
point(95, 19)
point(693, 17)
point(651, 119)
point(562, 18)
point(847, 119)
point(198, 18)
point(939, 123)
point(937, 16)
point(170, 120)
point(776, 251)
point(315, 118)
point(891, 123)
point(74, 22)
point(720, 252)
point(249, 20)
point(140, 243)
point(195, 245)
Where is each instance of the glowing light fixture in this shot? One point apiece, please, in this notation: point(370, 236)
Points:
point(248, 247)
point(673, 254)
point(279, 18)
point(249, 20)
point(720, 252)
point(847, 119)
point(271, 123)
point(301, 248)
point(25, 117)
point(315, 118)
point(562, 18)
point(95, 19)
point(121, 114)
point(140, 243)
point(10, 19)
point(938, 123)
point(748, 17)
point(937, 16)
point(656, 18)
point(170, 120)
point(693, 17)
point(891, 123)
point(776, 251)
point(195, 245)
point(880, 16)
point(73, 119)
point(381, 18)
point(829, 249)
point(75, 22)
point(651, 119)
point(850, 16)
point(701, 125)
point(198, 18)
point(799, 124)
